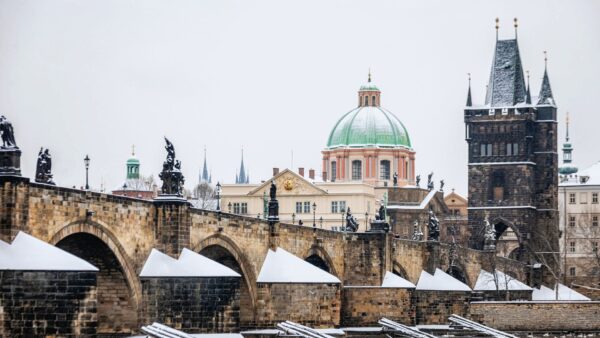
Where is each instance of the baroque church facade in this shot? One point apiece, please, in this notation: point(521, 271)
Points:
point(513, 160)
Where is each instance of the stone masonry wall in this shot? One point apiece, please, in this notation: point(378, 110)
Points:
point(47, 303)
point(434, 307)
point(365, 259)
point(192, 304)
point(538, 316)
point(314, 305)
point(364, 306)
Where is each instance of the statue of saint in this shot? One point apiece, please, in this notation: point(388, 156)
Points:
point(8, 135)
point(273, 190)
point(395, 179)
point(433, 227)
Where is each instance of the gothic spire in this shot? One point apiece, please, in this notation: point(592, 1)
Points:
point(469, 101)
point(242, 177)
point(546, 96)
point(528, 99)
point(507, 84)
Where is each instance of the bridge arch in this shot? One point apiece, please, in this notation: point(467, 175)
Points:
point(506, 245)
point(399, 270)
point(319, 257)
point(118, 286)
point(224, 250)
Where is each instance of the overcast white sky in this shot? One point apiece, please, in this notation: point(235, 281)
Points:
point(95, 77)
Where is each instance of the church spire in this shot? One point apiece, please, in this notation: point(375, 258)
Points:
point(204, 177)
point(469, 101)
point(546, 96)
point(242, 177)
point(528, 99)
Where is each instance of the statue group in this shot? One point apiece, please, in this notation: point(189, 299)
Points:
point(273, 204)
point(351, 223)
point(171, 173)
point(433, 233)
point(43, 171)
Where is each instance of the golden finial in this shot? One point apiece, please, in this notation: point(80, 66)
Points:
point(516, 25)
point(545, 58)
point(469, 75)
point(527, 72)
point(497, 26)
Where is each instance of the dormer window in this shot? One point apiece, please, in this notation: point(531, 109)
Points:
point(504, 111)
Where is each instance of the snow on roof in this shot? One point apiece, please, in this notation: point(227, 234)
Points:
point(422, 205)
point(564, 293)
point(29, 253)
point(487, 282)
point(189, 264)
point(205, 335)
point(281, 266)
point(391, 280)
point(586, 177)
point(440, 281)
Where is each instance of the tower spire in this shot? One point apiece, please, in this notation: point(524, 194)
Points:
point(546, 96)
point(528, 99)
point(204, 177)
point(567, 135)
point(516, 26)
point(469, 101)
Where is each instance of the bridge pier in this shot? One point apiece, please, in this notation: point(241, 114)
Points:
point(172, 224)
point(14, 203)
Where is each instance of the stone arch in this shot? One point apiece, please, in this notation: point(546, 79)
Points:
point(399, 270)
point(508, 237)
point(317, 256)
point(117, 279)
point(224, 250)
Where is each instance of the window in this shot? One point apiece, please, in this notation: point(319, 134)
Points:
point(498, 183)
point(356, 170)
point(240, 208)
point(307, 207)
point(489, 149)
point(384, 170)
point(486, 149)
point(482, 153)
point(333, 171)
point(515, 148)
point(298, 207)
point(366, 100)
point(572, 271)
point(572, 198)
point(594, 246)
point(583, 198)
point(508, 149)
point(504, 111)
point(594, 198)
point(572, 246)
point(373, 100)
point(338, 206)
point(594, 221)
point(571, 221)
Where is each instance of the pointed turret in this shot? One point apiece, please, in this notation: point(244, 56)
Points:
point(528, 99)
point(204, 177)
point(469, 100)
point(546, 97)
point(242, 177)
point(507, 84)
point(567, 149)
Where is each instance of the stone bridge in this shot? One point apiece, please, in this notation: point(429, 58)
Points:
point(117, 234)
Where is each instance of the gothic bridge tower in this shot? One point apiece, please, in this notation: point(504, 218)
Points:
point(513, 160)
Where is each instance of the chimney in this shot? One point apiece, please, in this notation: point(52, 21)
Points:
point(301, 171)
point(311, 174)
point(275, 171)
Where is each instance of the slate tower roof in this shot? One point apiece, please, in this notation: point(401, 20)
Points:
point(546, 91)
point(507, 83)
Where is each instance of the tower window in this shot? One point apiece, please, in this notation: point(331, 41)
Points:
point(572, 198)
point(384, 170)
point(572, 246)
point(366, 100)
point(594, 198)
point(572, 271)
point(571, 221)
point(498, 184)
point(594, 221)
point(356, 170)
point(333, 171)
point(515, 149)
point(373, 100)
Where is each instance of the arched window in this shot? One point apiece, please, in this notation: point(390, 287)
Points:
point(373, 100)
point(498, 184)
point(333, 171)
point(356, 170)
point(384, 170)
point(366, 100)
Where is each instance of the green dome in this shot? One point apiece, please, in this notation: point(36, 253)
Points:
point(369, 126)
point(368, 87)
point(133, 161)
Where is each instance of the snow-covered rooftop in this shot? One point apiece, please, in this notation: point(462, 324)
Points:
point(189, 264)
point(487, 282)
point(564, 293)
point(424, 203)
point(440, 281)
point(391, 280)
point(281, 266)
point(29, 253)
point(587, 177)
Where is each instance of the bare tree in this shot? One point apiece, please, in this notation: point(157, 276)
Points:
point(205, 195)
point(585, 232)
point(547, 252)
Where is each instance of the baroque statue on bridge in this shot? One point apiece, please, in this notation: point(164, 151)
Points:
point(273, 204)
point(489, 236)
point(417, 232)
point(171, 174)
point(8, 134)
point(433, 227)
point(43, 172)
point(430, 181)
point(351, 223)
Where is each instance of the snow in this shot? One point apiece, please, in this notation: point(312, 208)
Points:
point(592, 173)
point(273, 332)
point(391, 280)
point(503, 163)
point(205, 335)
point(362, 329)
point(504, 207)
point(486, 282)
point(421, 206)
point(440, 281)
point(564, 293)
point(189, 264)
point(29, 253)
point(281, 266)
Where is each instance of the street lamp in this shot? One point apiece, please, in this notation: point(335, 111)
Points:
point(366, 221)
point(218, 196)
point(293, 218)
point(314, 215)
point(321, 222)
point(86, 160)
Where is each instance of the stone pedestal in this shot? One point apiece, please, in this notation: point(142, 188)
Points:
point(273, 211)
point(379, 226)
point(10, 161)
